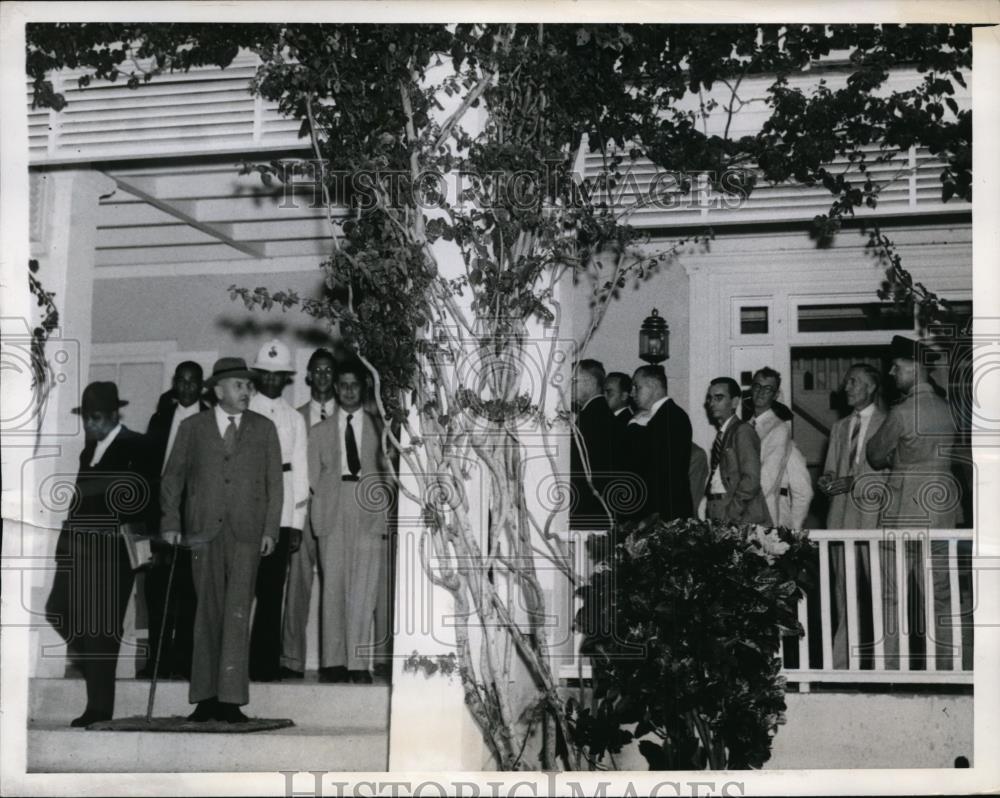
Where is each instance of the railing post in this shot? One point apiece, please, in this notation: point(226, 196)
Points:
point(954, 606)
point(902, 615)
point(853, 615)
point(824, 604)
point(878, 603)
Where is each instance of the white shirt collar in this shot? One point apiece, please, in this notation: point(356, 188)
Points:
point(657, 405)
point(621, 410)
point(222, 419)
point(182, 412)
point(722, 429)
point(867, 411)
point(102, 445)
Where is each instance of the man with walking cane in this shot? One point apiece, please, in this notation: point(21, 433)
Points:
point(226, 463)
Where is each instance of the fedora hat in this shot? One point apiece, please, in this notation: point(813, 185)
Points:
point(101, 397)
point(274, 356)
point(909, 349)
point(226, 367)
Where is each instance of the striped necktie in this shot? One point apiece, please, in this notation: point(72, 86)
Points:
point(716, 452)
point(855, 436)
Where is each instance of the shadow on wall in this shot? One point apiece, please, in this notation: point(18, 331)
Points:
point(243, 328)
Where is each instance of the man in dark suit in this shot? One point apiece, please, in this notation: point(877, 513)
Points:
point(660, 436)
point(173, 614)
point(349, 516)
point(591, 447)
point(618, 393)
point(226, 464)
point(94, 581)
point(734, 492)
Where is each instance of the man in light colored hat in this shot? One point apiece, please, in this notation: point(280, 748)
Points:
point(226, 464)
point(272, 372)
point(91, 592)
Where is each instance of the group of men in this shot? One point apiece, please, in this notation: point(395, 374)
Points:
point(635, 441)
point(237, 492)
point(632, 453)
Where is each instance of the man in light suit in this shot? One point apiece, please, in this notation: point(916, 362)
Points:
point(273, 371)
point(321, 406)
point(775, 437)
point(914, 443)
point(660, 437)
point(847, 476)
point(733, 492)
point(856, 490)
point(226, 464)
point(348, 516)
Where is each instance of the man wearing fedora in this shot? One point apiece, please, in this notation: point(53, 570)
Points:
point(273, 371)
point(92, 588)
point(914, 443)
point(226, 464)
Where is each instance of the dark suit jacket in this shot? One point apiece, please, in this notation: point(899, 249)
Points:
point(598, 430)
point(116, 489)
point(113, 492)
point(662, 460)
point(245, 487)
point(157, 435)
point(739, 468)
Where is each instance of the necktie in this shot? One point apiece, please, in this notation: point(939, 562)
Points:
point(753, 422)
point(855, 436)
point(716, 452)
point(353, 461)
point(322, 412)
point(229, 439)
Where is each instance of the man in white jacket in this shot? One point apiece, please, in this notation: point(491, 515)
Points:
point(775, 436)
point(273, 371)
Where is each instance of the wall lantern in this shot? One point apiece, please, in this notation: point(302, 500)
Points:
point(654, 338)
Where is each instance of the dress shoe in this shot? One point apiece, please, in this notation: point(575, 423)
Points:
point(336, 674)
point(206, 710)
point(265, 677)
point(288, 673)
point(360, 677)
point(231, 713)
point(89, 716)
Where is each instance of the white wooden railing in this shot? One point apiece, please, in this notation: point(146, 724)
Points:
point(874, 662)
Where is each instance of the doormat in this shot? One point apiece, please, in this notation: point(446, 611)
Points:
point(179, 723)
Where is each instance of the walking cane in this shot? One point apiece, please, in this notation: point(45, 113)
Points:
point(163, 626)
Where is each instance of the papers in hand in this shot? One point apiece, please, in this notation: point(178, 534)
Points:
point(140, 552)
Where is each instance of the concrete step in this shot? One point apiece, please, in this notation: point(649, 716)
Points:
point(55, 702)
point(65, 750)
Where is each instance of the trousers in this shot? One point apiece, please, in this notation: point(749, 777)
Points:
point(225, 572)
point(301, 574)
point(87, 607)
point(265, 635)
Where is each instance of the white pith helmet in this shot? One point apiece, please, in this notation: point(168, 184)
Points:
point(274, 356)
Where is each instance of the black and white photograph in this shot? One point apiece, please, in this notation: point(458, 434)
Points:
point(409, 399)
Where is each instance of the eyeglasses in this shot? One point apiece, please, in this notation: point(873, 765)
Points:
point(765, 389)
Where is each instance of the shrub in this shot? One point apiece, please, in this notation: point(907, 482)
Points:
point(683, 624)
